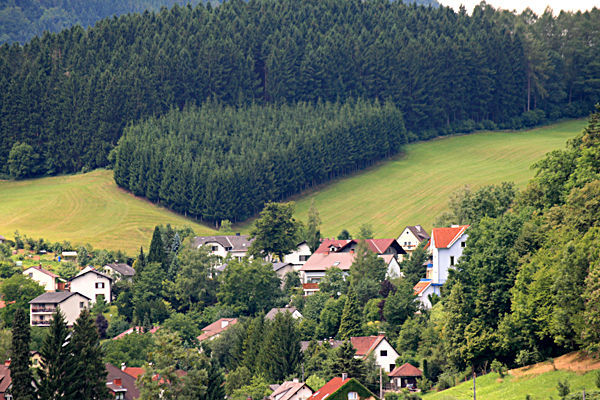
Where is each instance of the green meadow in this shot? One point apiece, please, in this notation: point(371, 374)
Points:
point(410, 189)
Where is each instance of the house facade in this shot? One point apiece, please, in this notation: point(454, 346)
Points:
point(70, 303)
point(234, 245)
point(383, 351)
point(292, 390)
point(298, 257)
point(411, 237)
point(447, 245)
point(425, 288)
point(405, 376)
point(92, 284)
point(50, 281)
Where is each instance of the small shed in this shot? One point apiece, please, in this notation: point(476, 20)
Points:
point(405, 376)
point(69, 256)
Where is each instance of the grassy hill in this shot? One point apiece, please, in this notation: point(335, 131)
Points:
point(86, 208)
point(410, 189)
point(414, 187)
point(539, 381)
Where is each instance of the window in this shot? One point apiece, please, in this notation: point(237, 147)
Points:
point(215, 248)
point(335, 264)
point(392, 367)
point(352, 396)
point(304, 258)
point(226, 248)
point(81, 304)
point(99, 285)
point(383, 353)
point(463, 244)
point(120, 396)
point(31, 274)
point(451, 260)
point(35, 361)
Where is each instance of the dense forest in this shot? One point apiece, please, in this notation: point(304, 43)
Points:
point(221, 163)
point(67, 97)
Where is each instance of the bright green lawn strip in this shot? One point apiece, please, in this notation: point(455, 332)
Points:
point(84, 208)
point(414, 187)
point(539, 387)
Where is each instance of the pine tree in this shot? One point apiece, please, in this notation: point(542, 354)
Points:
point(157, 250)
point(351, 322)
point(140, 262)
point(20, 373)
point(87, 359)
point(57, 371)
point(215, 389)
point(343, 361)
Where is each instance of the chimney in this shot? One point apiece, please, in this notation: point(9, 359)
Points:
point(7, 363)
point(344, 376)
point(117, 381)
point(351, 251)
point(237, 234)
point(224, 323)
point(295, 380)
point(454, 226)
point(418, 228)
point(123, 366)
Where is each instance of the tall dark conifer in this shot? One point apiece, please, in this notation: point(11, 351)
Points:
point(20, 374)
point(157, 250)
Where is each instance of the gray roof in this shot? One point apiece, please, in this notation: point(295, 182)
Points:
point(235, 242)
point(278, 265)
point(419, 232)
point(54, 297)
point(274, 311)
point(123, 269)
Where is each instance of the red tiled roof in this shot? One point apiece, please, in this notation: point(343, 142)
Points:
point(327, 243)
point(445, 237)
point(216, 327)
point(329, 388)
point(365, 344)
point(405, 370)
point(421, 286)
point(42, 270)
point(134, 371)
point(3, 303)
point(287, 390)
point(5, 380)
point(323, 261)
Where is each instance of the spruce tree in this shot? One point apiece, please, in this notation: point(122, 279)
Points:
point(351, 322)
point(87, 359)
point(141, 262)
point(157, 250)
point(215, 389)
point(19, 364)
point(57, 371)
point(342, 361)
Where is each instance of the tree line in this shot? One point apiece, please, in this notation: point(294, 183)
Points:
point(220, 162)
point(67, 97)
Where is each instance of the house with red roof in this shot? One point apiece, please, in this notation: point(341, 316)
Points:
point(341, 254)
point(343, 388)
point(446, 247)
point(384, 352)
point(405, 376)
point(292, 390)
point(215, 329)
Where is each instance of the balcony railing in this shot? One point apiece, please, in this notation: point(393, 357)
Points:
point(40, 322)
point(43, 309)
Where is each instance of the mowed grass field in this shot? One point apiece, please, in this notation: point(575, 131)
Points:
point(413, 188)
point(410, 189)
point(85, 208)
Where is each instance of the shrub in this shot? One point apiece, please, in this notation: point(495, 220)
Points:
point(564, 388)
point(489, 125)
point(445, 381)
point(499, 367)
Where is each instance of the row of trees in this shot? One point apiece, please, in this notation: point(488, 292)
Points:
point(223, 163)
point(67, 97)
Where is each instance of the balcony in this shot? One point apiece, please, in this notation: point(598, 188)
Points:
point(39, 322)
point(48, 310)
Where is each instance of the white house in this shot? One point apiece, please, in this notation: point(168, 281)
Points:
point(384, 353)
point(293, 310)
point(70, 303)
point(412, 236)
point(424, 288)
point(93, 284)
point(292, 390)
point(120, 271)
point(447, 245)
point(298, 257)
point(222, 246)
point(50, 281)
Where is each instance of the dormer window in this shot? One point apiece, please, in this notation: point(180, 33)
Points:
point(335, 264)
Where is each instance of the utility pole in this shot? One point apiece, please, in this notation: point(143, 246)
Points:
point(380, 385)
point(302, 372)
point(474, 389)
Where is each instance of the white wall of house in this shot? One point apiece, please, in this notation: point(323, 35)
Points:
point(302, 394)
point(216, 249)
point(385, 355)
point(407, 240)
point(86, 285)
point(117, 276)
point(72, 307)
point(282, 271)
point(43, 279)
point(299, 256)
point(422, 297)
point(446, 258)
point(393, 270)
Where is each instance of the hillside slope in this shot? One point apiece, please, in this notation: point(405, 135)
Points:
point(414, 187)
point(87, 208)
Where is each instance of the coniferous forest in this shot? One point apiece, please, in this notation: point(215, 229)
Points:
point(66, 98)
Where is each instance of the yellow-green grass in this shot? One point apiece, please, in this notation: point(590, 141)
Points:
point(85, 208)
point(539, 387)
point(413, 188)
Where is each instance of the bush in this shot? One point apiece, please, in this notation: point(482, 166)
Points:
point(564, 388)
point(499, 367)
point(489, 125)
point(445, 381)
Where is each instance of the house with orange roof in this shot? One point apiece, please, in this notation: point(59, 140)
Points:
point(292, 390)
point(341, 254)
point(405, 376)
point(343, 388)
point(384, 352)
point(446, 247)
point(215, 329)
